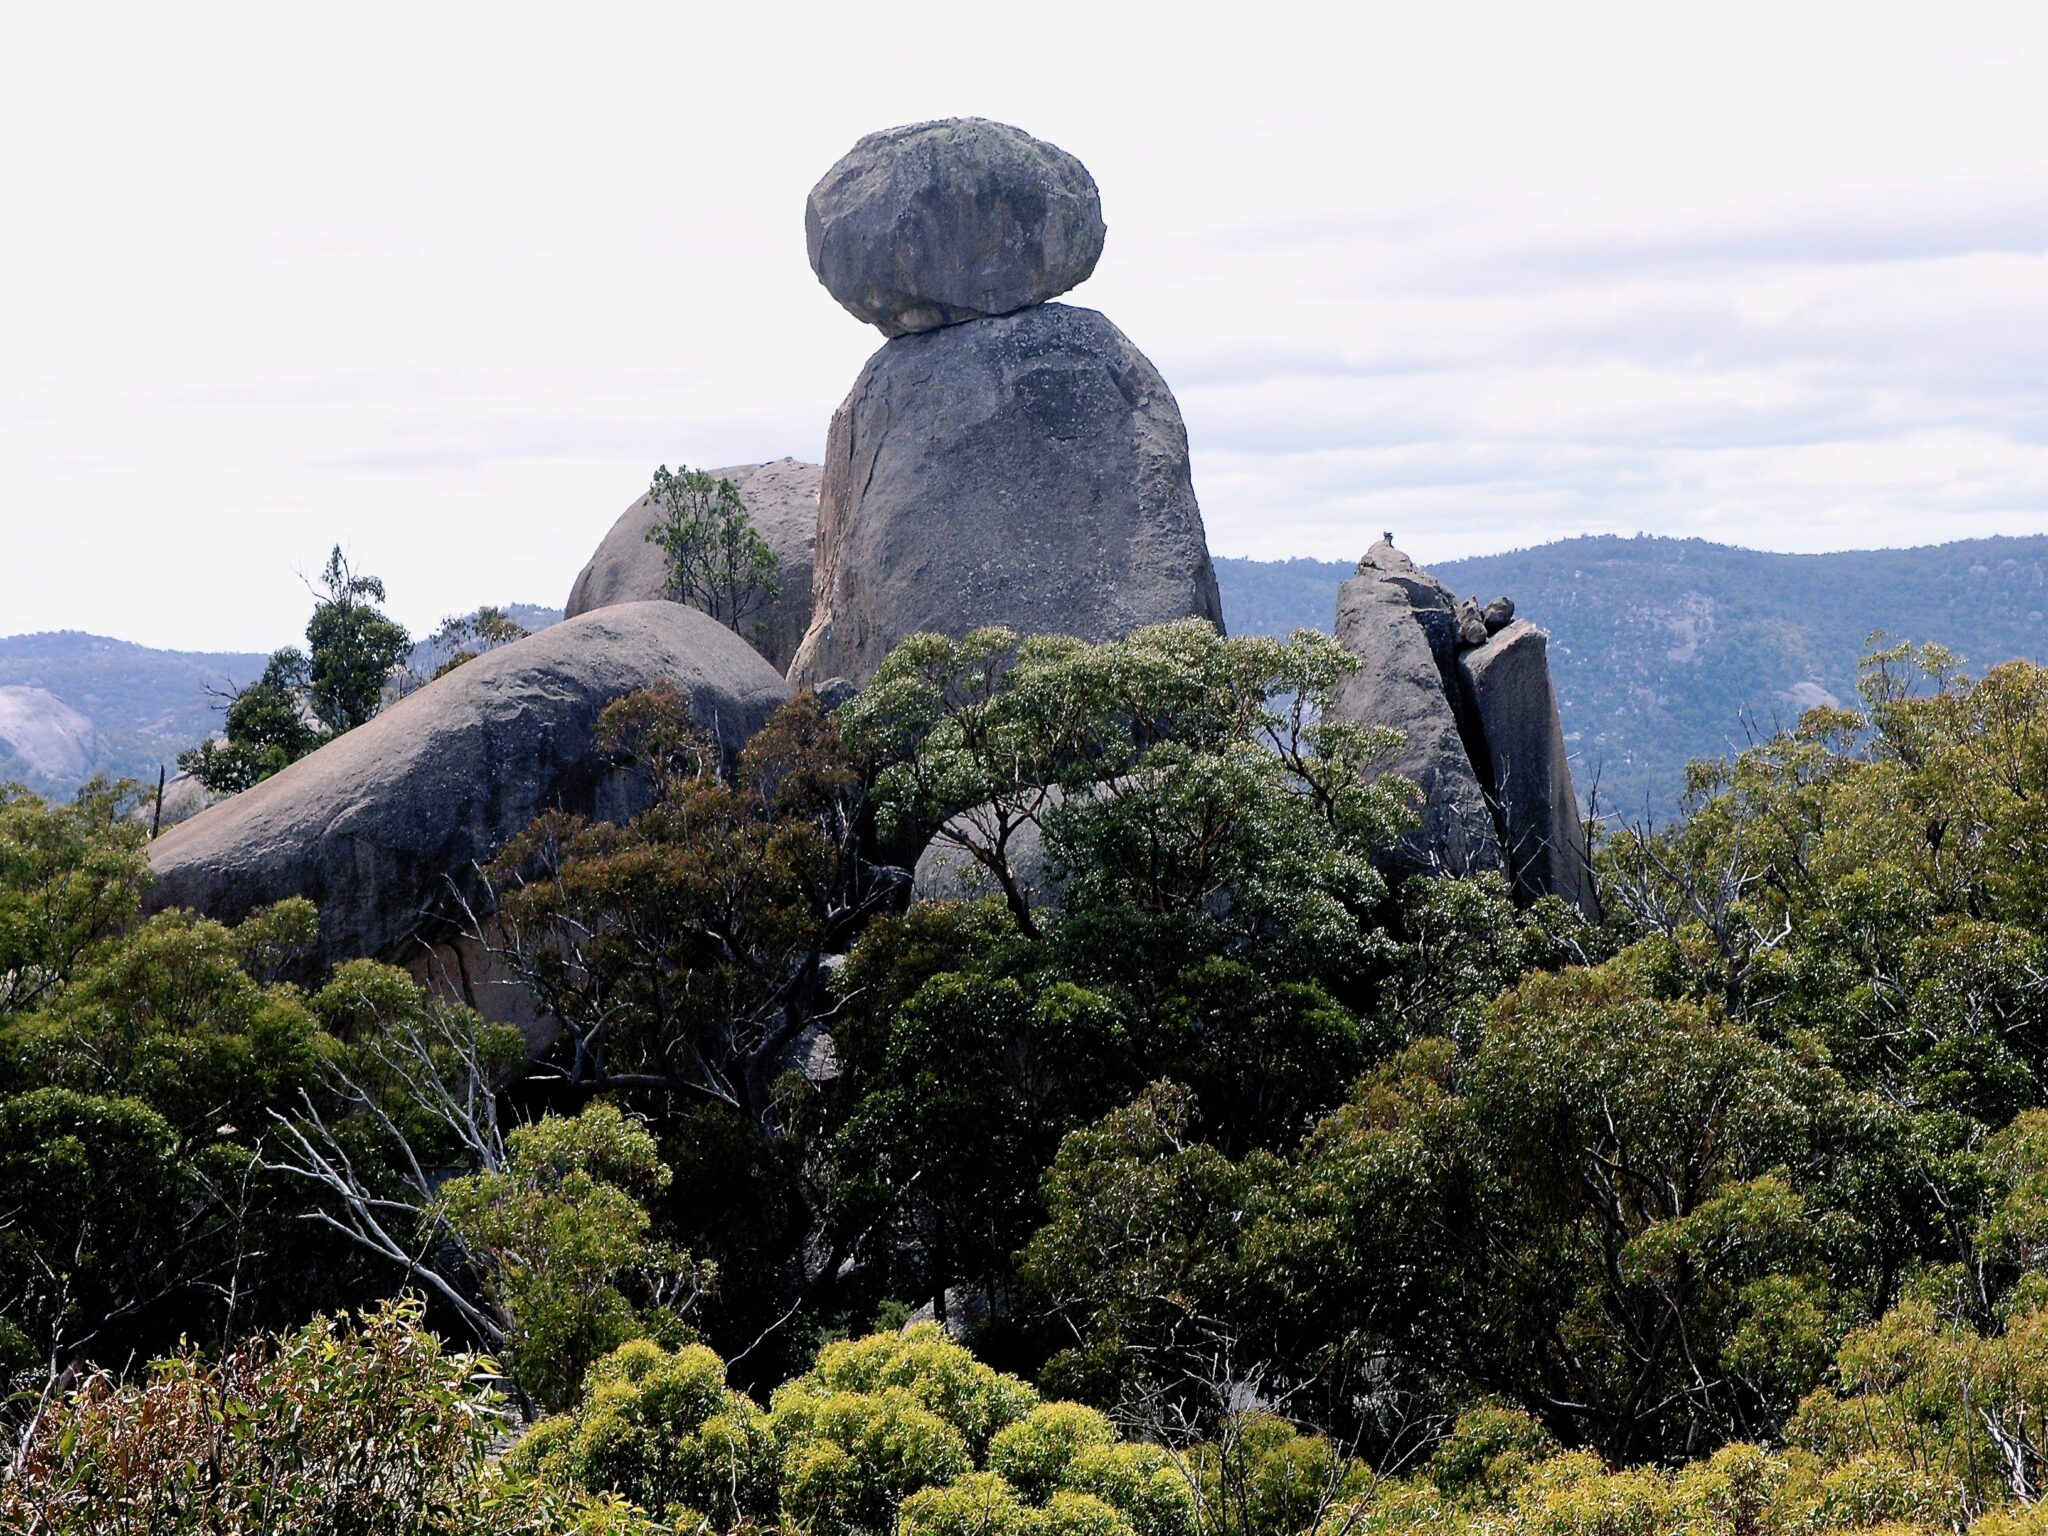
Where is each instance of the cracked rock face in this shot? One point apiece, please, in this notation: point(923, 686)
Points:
point(1401, 624)
point(1029, 471)
point(937, 223)
point(1471, 693)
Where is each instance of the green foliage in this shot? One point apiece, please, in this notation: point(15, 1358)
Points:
point(99, 1209)
point(664, 1431)
point(557, 1229)
point(305, 698)
point(717, 559)
point(468, 636)
point(370, 1429)
point(1314, 1207)
point(684, 948)
point(1155, 768)
point(351, 647)
point(70, 876)
point(926, 1368)
point(170, 1013)
point(1960, 1412)
point(1218, 921)
point(268, 726)
point(139, 1066)
point(1037, 1453)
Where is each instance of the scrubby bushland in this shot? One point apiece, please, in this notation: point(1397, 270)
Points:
point(1271, 1200)
point(371, 1425)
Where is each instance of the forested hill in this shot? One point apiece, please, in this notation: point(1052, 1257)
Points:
point(1669, 649)
point(74, 704)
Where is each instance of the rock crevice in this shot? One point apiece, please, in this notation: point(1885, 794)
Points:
point(1470, 691)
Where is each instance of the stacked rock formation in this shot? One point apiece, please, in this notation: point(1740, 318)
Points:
point(1470, 690)
point(782, 502)
point(1001, 460)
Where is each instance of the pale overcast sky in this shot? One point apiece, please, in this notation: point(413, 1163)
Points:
point(445, 283)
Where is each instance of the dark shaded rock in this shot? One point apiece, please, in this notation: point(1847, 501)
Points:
point(833, 692)
point(935, 223)
point(1400, 623)
point(383, 828)
point(1498, 614)
point(1507, 681)
point(947, 872)
point(782, 500)
point(1030, 470)
point(1471, 624)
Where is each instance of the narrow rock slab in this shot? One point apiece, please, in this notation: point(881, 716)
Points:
point(1402, 626)
point(1508, 683)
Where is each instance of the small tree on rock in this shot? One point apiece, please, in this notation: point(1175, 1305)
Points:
point(717, 559)
point(307, 698)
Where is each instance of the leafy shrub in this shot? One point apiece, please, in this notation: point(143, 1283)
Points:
point(663, 1430)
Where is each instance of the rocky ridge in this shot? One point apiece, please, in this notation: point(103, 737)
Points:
point(1469, 688)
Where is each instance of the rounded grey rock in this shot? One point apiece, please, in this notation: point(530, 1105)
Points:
point(1029, 471)
point(935, 223)
point(385, 827)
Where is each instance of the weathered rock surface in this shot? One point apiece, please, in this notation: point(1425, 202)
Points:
point(1529, 779)
point(935, 223)
point(1030, 470)
point(383, 827)
point(1471, 692)
point(43, 737)
point(948, 872)
point(1402, 625)
point(782, 500)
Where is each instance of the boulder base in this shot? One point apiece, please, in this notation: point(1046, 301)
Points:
point(1030, 471)
point(782, 500)
point(384, 827)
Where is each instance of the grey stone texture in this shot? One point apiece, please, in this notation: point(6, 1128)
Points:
point(1472, 695)
point(782, 500)
point(1507, 681)
point(935, 223)
point(384, 827)
point(1030, 470)
point(1402, 626)
point(948, 872)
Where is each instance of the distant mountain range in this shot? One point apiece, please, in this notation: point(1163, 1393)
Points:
point(73, 704)
point(1666, 650)
point(1663, 650)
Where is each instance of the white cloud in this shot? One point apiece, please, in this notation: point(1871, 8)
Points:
point(446, 282)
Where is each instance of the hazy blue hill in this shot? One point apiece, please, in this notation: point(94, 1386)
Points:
point(1669, 649)
point(145, 705)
